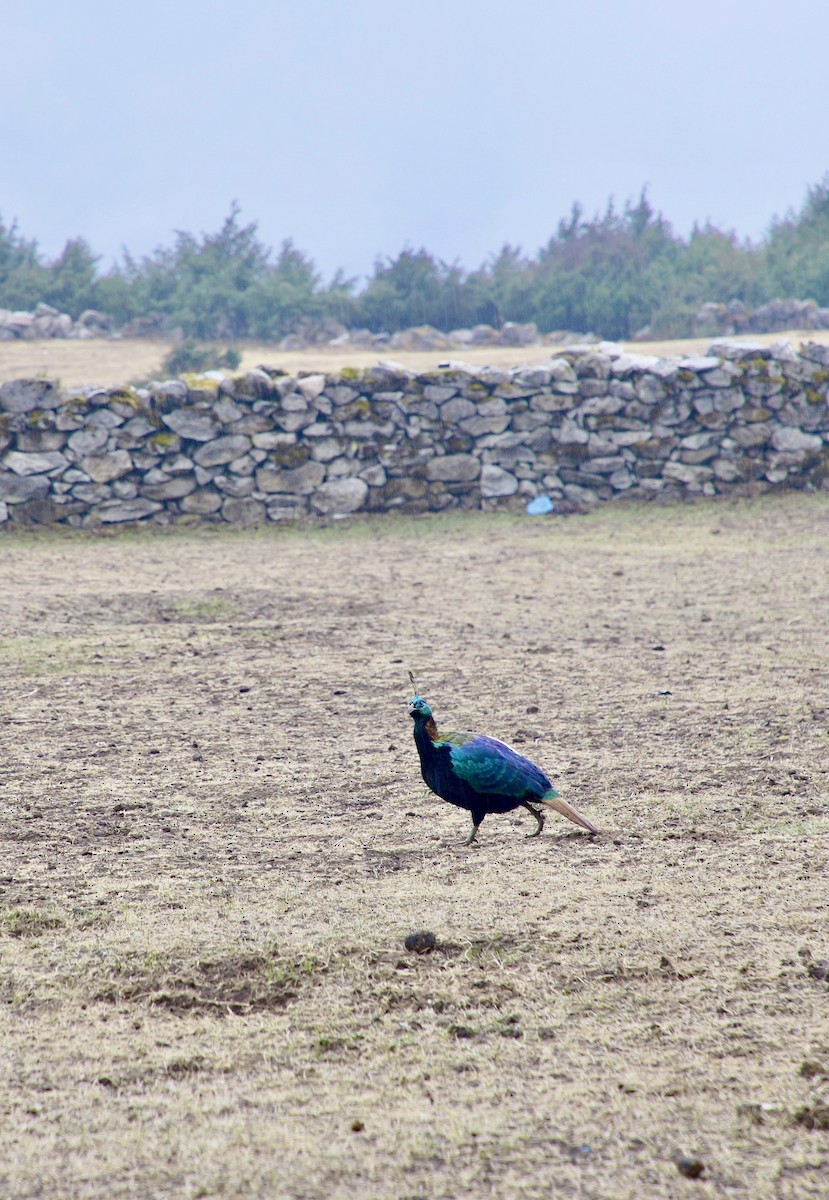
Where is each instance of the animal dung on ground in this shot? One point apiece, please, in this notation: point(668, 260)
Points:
point(422, 942)
point(691, 1168)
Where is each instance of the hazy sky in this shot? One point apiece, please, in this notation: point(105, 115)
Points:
point(362, 126)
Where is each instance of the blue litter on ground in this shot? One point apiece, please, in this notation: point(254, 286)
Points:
point(539, 506)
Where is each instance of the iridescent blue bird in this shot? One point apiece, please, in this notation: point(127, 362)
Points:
point(483, 775)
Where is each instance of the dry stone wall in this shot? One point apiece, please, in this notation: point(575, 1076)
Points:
point(593, 423)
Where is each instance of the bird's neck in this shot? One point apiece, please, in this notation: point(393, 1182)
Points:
point(425, 736)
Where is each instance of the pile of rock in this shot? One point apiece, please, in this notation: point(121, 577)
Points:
point(735, 317)
point(426, 337)
point(48, 322)
point(592, 423)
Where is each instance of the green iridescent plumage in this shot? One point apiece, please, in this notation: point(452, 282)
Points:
point(482, 774)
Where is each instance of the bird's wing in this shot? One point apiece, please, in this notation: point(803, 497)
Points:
point(492, 767)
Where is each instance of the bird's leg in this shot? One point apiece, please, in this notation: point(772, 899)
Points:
point(473, 832)
point(539, 816)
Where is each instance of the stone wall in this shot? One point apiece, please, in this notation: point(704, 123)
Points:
point(590, 424)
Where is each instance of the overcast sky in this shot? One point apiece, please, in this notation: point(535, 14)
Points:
point(360, 127)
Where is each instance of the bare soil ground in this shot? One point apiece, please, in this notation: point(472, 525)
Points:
point(110, 363)
point(215, 840)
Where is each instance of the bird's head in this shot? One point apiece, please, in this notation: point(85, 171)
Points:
point(419, 710)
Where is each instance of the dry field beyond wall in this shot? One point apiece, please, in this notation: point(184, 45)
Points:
point(112, 363)
point(215, 840)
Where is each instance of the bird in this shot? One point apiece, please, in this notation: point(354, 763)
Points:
point(482, 775)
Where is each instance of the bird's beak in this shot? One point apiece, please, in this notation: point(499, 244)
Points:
point(572, 814)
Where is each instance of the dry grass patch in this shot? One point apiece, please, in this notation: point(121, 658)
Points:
point(216, 844)
point(110, 363)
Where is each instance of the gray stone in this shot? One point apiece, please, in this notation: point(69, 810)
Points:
point(439, 393)
point(287, 508)
point(36, 441)
point(138, 427)
point(726, 470)
point(272, 438)
point(794, 440)
point(104, 467)
point(34, 464)
point(204, 501)
point(495, 481)
point(549, 402)
point(245, 511)
point(192, 423)
point(24, 395)
point(340, 496)
point(571, 434)
point(294, 402)
point(300, 481)
point(621, 480)
point(87, 441)
point(126, 510)
point(749, 436)
point(341, 394)
point(20, 489)
point(684, 473)
point(453, 468)
point(104, 418)
point(170, 489)
point(227, 410)
point(457, 409)
point(476, 426)
point(728, 400)
point(375, 475)
point(234, 485)
point(606, 466)
point(222, 450)
point(326, 449)
point(649, 390)
point(311, 386)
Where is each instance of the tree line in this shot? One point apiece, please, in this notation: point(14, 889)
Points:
point(610, 274)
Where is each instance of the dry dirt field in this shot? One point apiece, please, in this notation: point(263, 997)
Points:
point(110, 363)
point(215, 840)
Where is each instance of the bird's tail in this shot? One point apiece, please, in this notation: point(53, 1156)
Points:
point(553, 800)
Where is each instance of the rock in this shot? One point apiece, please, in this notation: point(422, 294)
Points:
point(789, 438)
point(170, 489)
point(689, 475)
point(495, 481)
point(750, 436)
point(87, 441)
point(287, 508)
point(222, 450)
point(104, 467)
point(39, 440)
point(311, 386)
point(457, 409)
point(24, 395)
point(453, 468)
point(244, 511)
point(375, 476)
point(20, 489)
point(300, 481)
point(115, 511)
point(34, 464)
point(204, 501)
point(340, 496)
point(570, 433)
point(192, 423)
point(439, 393)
